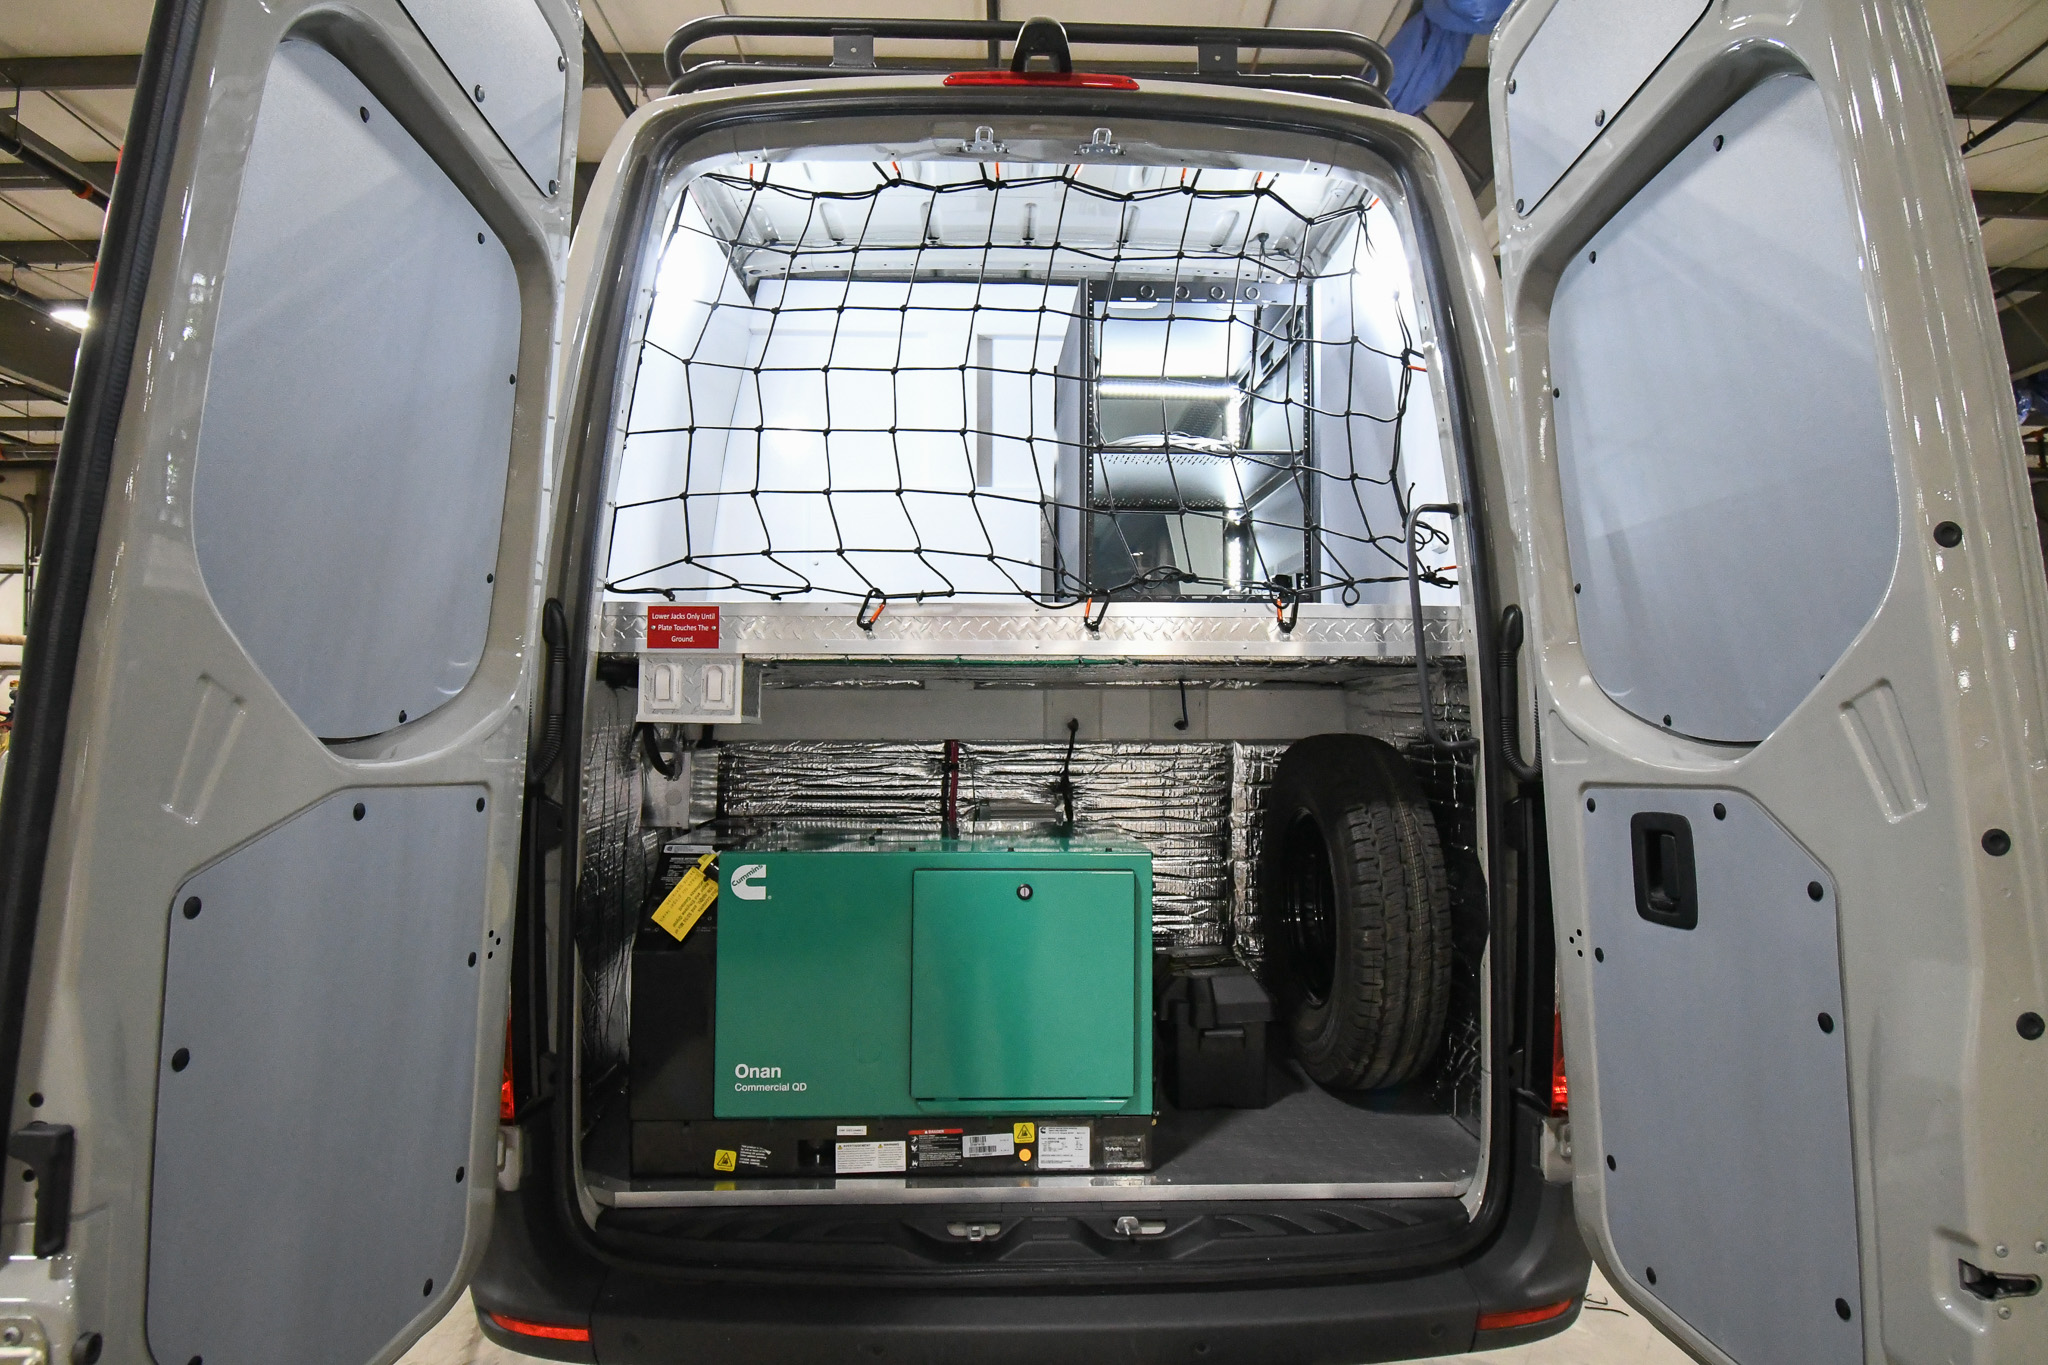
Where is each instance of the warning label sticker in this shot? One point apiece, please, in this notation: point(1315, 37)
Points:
point(928, 1150)
point(754, 1156)
point(686, 903)
point(853, 1130)
point(989, 1144)
point(868, 1158)
point(1063, 1148)
point(1123, 1151)
point(677, 627)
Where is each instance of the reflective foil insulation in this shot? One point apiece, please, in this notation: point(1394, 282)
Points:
point(1199, 806)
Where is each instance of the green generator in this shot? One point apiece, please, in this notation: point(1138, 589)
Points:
point(873, 978)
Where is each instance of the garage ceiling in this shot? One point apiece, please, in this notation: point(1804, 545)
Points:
point(66, 76)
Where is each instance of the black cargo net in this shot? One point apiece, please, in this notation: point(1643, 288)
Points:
point(1066, 385)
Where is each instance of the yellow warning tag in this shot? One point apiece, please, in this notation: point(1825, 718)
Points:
point(1024, 1132)
point(681, 908)
point(724, 1159)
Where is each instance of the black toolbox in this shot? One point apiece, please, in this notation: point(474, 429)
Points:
point(1213, 1017)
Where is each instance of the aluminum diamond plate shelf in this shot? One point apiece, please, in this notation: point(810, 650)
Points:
point(1242, 632)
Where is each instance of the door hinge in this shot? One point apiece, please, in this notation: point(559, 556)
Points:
point(1556, 1148)
point(46, 1148)
point(511, 1156)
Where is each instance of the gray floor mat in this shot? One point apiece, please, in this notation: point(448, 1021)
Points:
point(1311, 1136)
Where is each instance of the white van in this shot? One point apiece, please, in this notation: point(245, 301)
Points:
point(1031, 470)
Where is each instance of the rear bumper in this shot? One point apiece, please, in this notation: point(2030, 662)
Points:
point(533, 1273)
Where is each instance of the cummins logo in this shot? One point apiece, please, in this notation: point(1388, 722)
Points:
point(748, 882)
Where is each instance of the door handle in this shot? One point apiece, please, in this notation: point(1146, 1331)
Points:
point(1507, 647)
point(1667, 888)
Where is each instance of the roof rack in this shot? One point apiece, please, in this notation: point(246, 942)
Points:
point(1217, 50)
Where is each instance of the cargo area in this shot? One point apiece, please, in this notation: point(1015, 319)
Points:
point(989, 538)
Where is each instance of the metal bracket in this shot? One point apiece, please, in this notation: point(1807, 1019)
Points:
point(1042, 37)
point(853, 48)
point(46, 1149)
point(984, 143)
point(1100, 144)
point(1216, 59)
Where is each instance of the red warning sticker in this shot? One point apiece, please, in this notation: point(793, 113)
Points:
point(676, 627)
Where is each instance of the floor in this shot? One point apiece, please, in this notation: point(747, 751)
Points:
point(1312, 1135)
point(1606, 1334)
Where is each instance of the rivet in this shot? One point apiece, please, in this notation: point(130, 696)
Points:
point(561, 63)
point(2004, 1311)
point(359, 811)
point(1999, 1250)
point(1997, 842)
point(1814, 891)
point(1948, 535)
point(191, 907)
point(552, 186)
point(1599, 119)
point(2041, 1248)
point(1511, 85)
point(1518, 206)
point(181, 1059)
point(12, 1336)
point(479, 94)
point(1842, 1309)
point(1717, 142)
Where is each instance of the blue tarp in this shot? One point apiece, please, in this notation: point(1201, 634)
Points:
point(1431, 45)
point(2032, 395)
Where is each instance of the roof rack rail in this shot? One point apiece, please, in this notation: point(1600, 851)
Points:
point(1364, 80)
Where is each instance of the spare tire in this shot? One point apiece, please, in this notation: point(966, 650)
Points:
point(1356, 912)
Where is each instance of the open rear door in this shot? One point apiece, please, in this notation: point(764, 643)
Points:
point(1789, 612)
point(261, 816)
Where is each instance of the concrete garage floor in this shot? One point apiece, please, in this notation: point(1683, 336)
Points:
point(1606, 1334)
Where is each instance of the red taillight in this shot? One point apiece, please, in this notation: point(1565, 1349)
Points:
point(506, 1109)
point(1057, 80)
point(1524, 1317)
point(1560, 1089)
point(551, 1331)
